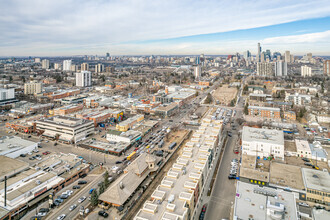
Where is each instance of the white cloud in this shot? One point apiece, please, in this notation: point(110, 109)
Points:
point(319, 37)
point(98, 25)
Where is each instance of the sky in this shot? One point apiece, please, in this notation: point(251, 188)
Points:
point(158, 27)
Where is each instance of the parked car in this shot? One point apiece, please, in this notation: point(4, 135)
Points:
point(103, 214)
point(118, 162)
point(61, 217)
point(308, 164)
point(69, 192)
point(303, 204)
point(81, 182)
point(22, 155)
point(76, 187)
point(306, 159)
point(64, 196)
point(232, 176)
point(82, 199)
point(73, 207)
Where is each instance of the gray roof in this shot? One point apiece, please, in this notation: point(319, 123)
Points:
point(262, 135)
point(316, 179)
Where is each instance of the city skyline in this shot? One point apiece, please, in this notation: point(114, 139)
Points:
point(66, 28)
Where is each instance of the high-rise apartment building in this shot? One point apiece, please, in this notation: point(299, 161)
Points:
point(281, 68)
point(326, 67)
point(74, 68)
point(197, 72)
point(67, 65)
point(57, 66)
point(84, 79)
point(265, 69)
point(45, 64)
point(287, 57)
point(84, 67)
point(99, 68)
point(263, 57)
point(306, 71)
point(258, 53)
point(6, 94)
point(37, 60)
point(32, 88)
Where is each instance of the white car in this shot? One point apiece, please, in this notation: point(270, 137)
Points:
point(303, 204)
point(30, 153)
point(68, 192)
point(61, 217)
point(73, 207)
point(42, 214)
point(82, 199)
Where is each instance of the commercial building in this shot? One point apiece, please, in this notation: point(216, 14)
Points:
point(306, 71)
point(67, 65)
point(253, 202)
point(129, 123)
point(298, 99)
point(120, 191)
point(13, 146)
point(265, 69)
point(263, 142)
point(63, 94)
point(66, 129)
point(166, 110)
point(130, 136)
point(178, 194)
point(264, 112)
point(45, 64)
point(28, 186)
point(326, 67)
point(32, 88)
point(68, 109)
point(84, 79)
point(317, 184)
point(84, 67)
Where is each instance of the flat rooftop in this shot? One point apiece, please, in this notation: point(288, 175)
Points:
point(286, 175)
point(169, 199)
point(8, 143)
point(107, 146)
point(316, 179)
point(252, 202)
point(250, 169)
point(11, 166)
point(264, 108)
point(269, 136)
point(65, 121)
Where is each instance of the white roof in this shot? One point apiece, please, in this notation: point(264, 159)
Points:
point(263, 135)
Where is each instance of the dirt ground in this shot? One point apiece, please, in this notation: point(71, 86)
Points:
point(175, 136)
point(225, 94)
point(299, 162)
point(286, 175)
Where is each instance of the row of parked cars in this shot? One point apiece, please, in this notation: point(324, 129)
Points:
point(233, 169)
